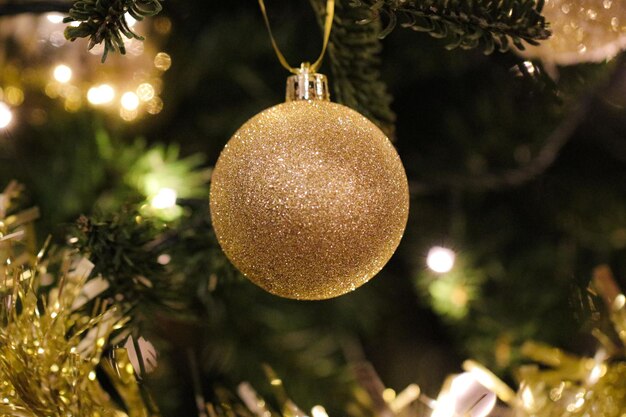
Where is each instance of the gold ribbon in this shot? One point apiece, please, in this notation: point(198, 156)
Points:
point(330, 13)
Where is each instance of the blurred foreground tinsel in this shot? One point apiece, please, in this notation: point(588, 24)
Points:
point(560, 384)
point(52, 360)
point(60, 354)
point(553, 384)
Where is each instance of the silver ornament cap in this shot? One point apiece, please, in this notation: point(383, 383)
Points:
point(307, 85)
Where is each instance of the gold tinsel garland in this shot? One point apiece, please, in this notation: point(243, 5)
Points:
point(49, 350)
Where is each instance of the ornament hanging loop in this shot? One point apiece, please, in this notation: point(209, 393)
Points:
point(310, 68)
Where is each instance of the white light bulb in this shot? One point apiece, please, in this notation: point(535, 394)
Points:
point(440, 259)
point(62, 73)
point(6, 115)
point(319, 411)
point(101, 94)
point(130, 101)
point(165, 198)
point(54, 18)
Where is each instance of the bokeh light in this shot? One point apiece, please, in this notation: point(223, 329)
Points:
point(165, 198)
point(440, 259)
point(101, 94)
point(6, 115)
point(129, 101)
point(62, 73)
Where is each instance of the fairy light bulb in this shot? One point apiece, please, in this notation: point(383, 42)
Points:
point(101, 94)
point(319, 411)
point(129, 101)
point(54, 18)
point(6, 115)
point(165, 198)
point(62, 73)
point(440, 259)
point(145, 92)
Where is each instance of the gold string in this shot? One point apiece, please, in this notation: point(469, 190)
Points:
point(330, 12)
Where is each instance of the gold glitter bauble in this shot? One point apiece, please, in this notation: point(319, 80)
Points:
point(582, 31)
point(309, 199)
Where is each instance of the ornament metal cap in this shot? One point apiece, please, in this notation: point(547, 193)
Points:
point(307, 85)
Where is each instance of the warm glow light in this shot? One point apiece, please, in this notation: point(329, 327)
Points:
point(128, 115)
point(54, 18)
point(14, 96)
point(165, 198)
point(101, 94)
point(318, 411)
point(5, 115)
point(145, 91)
point(440, 259)
point(154, 105)
point(389, 394)
point(62, 73)
point(529, 67)
point(129, 101)
point(162, 61)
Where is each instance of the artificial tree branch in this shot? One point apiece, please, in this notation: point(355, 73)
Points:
point(543, 160)
point(104, 21)
point(467, 24)
point(354, 52)
point(16, 7)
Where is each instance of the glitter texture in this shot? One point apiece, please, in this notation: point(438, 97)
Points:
point(582, 31)
point(309, 199)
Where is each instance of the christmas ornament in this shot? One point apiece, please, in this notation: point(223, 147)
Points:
point(582, 31)
point(309, 199)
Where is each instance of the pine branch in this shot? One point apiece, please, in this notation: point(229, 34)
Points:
point(117, 245)
point(467, 24)
point(354, 50)
point(104, 21)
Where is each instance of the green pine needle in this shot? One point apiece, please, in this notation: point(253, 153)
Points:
point(354, 52)
point(467, 24)
point(104, 22)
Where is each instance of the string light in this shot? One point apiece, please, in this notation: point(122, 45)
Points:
point(5, 115)
point(154, 106)
point(165, 198)
point(530, 67)
point(129, 101)
point(319, 411)
point(440, 259)
point(14, 96)
point(131, 97)
point(54, 18)
point(128, 115)
point(101, 94)
point(62, 73)
point(145, 92)
point(162, 61)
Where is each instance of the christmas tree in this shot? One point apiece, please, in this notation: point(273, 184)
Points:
point(124, 246)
